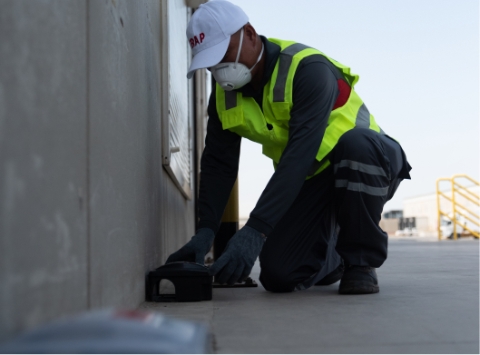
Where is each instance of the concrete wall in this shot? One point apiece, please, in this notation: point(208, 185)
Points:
point(86, 208)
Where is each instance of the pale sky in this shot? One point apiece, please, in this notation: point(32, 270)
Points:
point(418, 62)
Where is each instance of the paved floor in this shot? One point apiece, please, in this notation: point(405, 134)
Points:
point(428, 303)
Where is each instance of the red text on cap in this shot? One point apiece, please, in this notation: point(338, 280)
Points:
point(196, 40)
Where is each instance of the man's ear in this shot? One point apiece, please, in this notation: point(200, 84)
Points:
point(250, 33)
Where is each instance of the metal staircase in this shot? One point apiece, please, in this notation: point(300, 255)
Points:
point(465, 206)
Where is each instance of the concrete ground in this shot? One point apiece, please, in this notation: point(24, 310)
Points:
point(428, 303)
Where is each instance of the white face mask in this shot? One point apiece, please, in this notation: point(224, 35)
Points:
point(231, 76)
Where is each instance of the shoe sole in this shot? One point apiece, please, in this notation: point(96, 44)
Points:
point(358, 288)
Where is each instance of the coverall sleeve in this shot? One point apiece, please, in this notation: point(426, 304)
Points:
point(315, 91)
point(218, 169)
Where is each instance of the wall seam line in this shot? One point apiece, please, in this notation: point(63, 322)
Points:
point(87, 133)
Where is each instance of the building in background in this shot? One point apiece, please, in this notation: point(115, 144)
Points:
point(425, 209)
point(390, 221)
point(100, 136)
point(420, 213)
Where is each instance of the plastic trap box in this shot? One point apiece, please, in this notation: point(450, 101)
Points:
point(191, 280)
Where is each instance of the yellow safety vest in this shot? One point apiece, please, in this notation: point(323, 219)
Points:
point(243, 116)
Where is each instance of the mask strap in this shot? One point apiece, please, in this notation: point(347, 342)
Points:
point(258, 59)
point(239, 49)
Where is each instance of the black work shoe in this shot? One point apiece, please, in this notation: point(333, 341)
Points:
point(358, 280)
point(332, 277)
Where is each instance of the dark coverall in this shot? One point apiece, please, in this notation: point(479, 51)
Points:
point(311, 225)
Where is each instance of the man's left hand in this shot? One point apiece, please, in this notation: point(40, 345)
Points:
point(236, 262)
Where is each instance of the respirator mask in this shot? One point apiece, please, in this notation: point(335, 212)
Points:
point(231, 76)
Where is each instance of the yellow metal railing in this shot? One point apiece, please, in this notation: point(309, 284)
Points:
point(459, 209)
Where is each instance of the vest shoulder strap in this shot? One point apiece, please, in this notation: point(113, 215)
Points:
point(290, 56)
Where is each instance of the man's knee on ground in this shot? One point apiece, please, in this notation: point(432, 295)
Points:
point(274, 278)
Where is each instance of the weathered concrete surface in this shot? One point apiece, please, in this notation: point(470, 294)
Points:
point(122, 117)
point(137, 214)
point(86, 209)
point(43, 165)
point(428, 303)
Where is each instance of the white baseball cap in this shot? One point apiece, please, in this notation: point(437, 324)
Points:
point(209, 32)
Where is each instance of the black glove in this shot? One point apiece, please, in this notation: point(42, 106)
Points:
point(239, 256)
point(196, 249)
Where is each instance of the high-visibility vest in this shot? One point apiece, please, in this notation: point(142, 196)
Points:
point(243, 116)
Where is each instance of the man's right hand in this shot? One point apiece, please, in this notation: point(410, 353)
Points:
point(196, 249)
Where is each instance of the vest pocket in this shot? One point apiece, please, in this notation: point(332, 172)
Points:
point(281, 110)
point(232, 118)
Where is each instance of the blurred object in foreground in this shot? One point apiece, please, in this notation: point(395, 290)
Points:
point(114, 331)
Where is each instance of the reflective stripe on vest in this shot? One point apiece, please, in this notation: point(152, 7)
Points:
point(284, 61)
point(269, 127)
point(230, 99)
